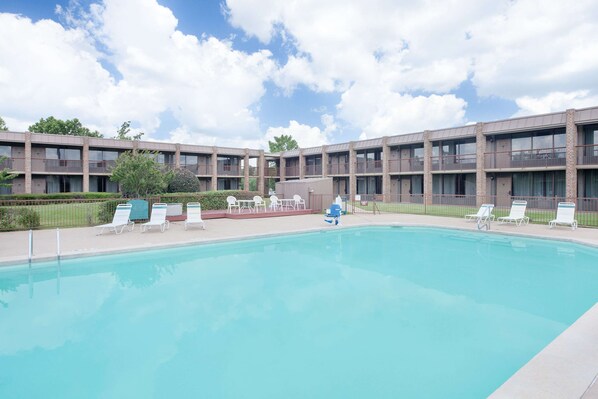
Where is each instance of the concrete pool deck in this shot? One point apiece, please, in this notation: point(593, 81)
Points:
point(566, 368)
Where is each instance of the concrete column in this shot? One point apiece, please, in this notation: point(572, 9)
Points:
point(246, 171)
point(427, 168)
point(571, 160)
point(386, 170)
point(480, 172)
point(177, 156)
point(28, 180)
point(85, 161)
point(214, 168)
point(352, 177)
point(301, 164)
point(282, 170)
point(261, 173)
point(324, 161)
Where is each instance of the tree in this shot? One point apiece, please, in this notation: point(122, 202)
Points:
point(3, 126)
point(283, 143)
point(139, 174)
point(6, 174)
point(72, 127)
point(123, 131)
point(183, 181)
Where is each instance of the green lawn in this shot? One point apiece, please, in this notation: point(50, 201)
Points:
point(75, 214)
point(541, 216)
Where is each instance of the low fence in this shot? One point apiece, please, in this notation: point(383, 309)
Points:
point(539, 209)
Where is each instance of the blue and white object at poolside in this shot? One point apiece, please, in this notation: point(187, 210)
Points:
point(333, 214)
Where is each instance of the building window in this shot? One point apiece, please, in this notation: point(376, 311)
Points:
point(64, 184)
point(539, 184)
point(454, 184)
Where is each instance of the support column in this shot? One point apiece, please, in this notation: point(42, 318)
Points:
point(282, 169)
point(246, 171)
point(28, 179)
point(324, 161)
point(301, 164)
point(386, 170)
point(85, 160)
point(214, 169)
point(261, 173)
point(480, 172)
point(352, 177)
point(427, 168)
point(177, 156)
point(571, 160)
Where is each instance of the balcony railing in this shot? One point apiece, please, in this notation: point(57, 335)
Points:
point(454, 162)
point(369, 166)
point(338, 168)
point(229, 170)
point(525, 158)
point(292, 170)
point(253, 171)
point(101, 166)
point(199, 169)
point(272, 171)
point(587, 154)
point(57, 165)
point(313, 170)
point(406, 165)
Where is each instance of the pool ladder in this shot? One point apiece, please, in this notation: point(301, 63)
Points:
point(484, 223)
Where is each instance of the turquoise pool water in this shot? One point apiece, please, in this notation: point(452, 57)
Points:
point(350, 313)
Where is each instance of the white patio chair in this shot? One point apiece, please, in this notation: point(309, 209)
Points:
point(565, 215)
point(517, 214)
point(157, 218)
point(194, 215)
point(298, 201)
point(232, 203)
point(120, 220)
point(258, 202)
point(485, 212)
point(275, 203)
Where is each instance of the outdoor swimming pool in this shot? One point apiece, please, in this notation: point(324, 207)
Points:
point(380, 312)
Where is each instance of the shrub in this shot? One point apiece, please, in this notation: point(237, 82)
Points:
point(7, 221)
point(28, 218)
point(183, 181)
point(106, 210)
point(210, 200)
point(59, 196)
point(15, 218)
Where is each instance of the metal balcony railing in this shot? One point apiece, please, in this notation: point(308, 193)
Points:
point(292, 170)
point(454, 162)
point(57, 165)
point(368, 166)
point(228, 170)
point(101, 166)
point(525, 158)
point(313, 170)
point(338, 168)
point(587, 154)
point(406, 165)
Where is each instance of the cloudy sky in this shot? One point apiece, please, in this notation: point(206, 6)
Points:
point(238, 72)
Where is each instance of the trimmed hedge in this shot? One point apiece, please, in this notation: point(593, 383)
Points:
point(209, 200)
point(59, 196)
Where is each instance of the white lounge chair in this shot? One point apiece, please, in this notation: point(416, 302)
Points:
point(517, 214)
point(298, 201)
point(120, 220)
point(275, 203)
point(258, 202)
point(232, 203)
point(565, 214)
point(157, 218)
point(194, 215)
point(485, 212)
